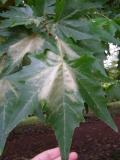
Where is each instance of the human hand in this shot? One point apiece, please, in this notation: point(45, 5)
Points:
point(54, 154)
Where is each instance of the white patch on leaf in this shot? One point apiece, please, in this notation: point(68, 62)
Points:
point(66, 50)
point(29, 44)
point(5, 87)
point(54, 82)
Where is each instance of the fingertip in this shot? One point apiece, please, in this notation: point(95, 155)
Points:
point(73, 156)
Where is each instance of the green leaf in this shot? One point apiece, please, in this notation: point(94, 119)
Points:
point(78, 30)
point(113, 92)
point(95, 48)
point(17, 101)
point(104, 29)
point(68, 9)
point(59, 9)
point(19, 16)
point(93, 67)
point(95, 98)
point(42, 7)
point(84, 29)
point(56, 84)
point(90, 88)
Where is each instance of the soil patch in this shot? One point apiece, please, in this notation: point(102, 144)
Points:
point(93, 140)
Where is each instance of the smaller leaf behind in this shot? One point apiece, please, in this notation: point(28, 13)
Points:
point(89, 64)
point(59, 7)
point(63, 30)
point(42, 7)
point(90, 88)
point(19, 16)
point(94, 96)
point(66, 8)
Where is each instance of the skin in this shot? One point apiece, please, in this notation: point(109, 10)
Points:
point(54, 154)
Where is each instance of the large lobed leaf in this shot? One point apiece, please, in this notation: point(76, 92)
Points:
point(56, 84)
